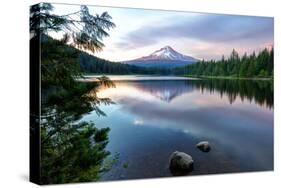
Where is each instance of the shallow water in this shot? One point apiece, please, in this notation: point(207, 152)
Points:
point(153, 118)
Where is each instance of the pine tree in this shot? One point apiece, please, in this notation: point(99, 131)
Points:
point(247, 66)
point(71, 150)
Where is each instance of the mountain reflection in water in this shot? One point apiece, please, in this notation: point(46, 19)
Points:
point(153, 118)
point(259, 91)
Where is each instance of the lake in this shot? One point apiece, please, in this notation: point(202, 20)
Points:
point(154, 116)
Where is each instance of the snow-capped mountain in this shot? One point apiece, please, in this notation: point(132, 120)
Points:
point(164, 57)
point(167, 53)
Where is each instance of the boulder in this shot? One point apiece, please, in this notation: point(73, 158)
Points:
point(204, 146)
point(180, 163)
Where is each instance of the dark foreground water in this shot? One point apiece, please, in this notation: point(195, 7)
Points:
point(153, 118)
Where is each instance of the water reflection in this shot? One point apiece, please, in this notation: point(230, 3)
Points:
point(261, 92)
point(151, 119)
point(164, 90)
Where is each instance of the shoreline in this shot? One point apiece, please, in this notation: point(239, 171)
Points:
point(89, 78)
point(231, 78)
point(130, 77)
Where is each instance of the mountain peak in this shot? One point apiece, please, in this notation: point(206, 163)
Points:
point(167, 47)
point(164, 57)
point(167, 53)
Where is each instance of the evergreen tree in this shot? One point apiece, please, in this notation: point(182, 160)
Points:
point(247, 67)
point(71, 150)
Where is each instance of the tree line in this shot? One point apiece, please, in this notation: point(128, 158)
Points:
point(247, 66)
point(91, 64)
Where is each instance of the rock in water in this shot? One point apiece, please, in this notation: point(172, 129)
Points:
point(204, 146)
point(180, 163)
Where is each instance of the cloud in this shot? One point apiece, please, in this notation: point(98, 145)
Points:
point(211, 28)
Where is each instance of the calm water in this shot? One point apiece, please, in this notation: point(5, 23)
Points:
point(153, 118)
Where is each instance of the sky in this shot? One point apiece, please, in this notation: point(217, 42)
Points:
point(140, 32)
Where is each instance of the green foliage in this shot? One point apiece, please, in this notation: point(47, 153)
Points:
point(125, 165)
point(87, 32)
point(101, 135)
point(42, 21)
point(94, 29)
point(69, 155)
point(71, 150)
point(110, 161)
point(245, 67)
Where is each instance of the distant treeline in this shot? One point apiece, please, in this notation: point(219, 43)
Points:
point(247, 66)
point(92, 64)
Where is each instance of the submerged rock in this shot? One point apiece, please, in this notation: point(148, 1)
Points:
point(204, 146)
point(180, 163)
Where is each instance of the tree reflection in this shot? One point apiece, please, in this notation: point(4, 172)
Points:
point(258, 91)
point(261, 92)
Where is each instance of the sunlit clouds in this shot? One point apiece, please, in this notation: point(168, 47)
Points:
point(204, 36)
